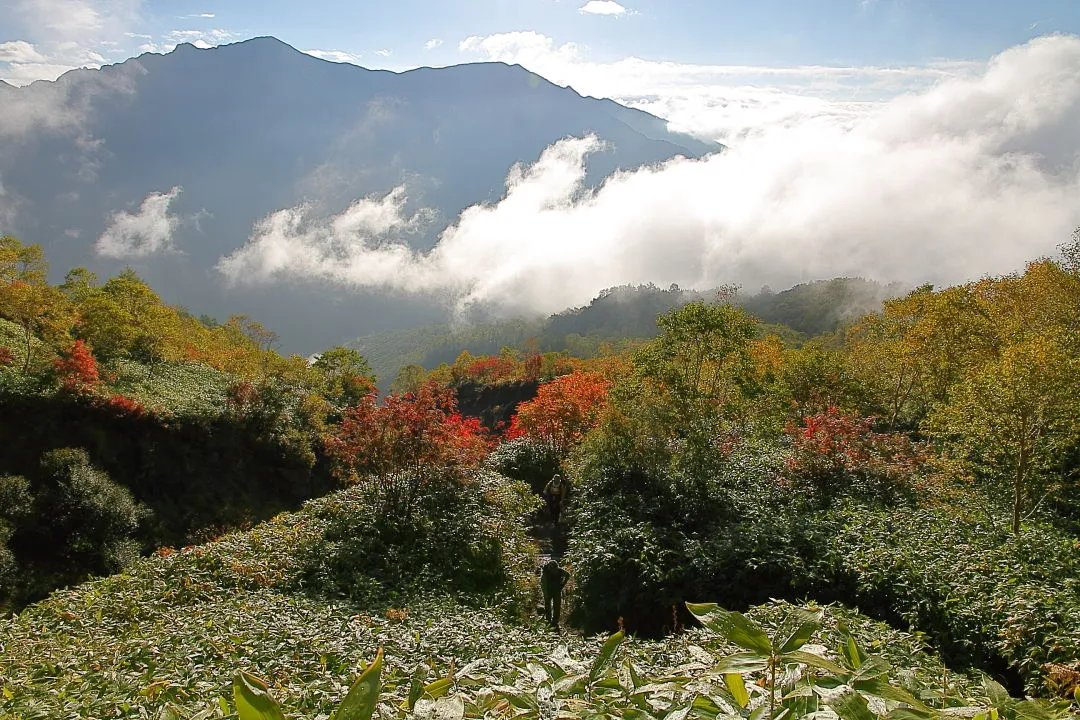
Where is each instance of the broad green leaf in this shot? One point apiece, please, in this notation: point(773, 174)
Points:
point(635, 679)
point(761, 712)
point(166, 713)
point(1028, 710)
point(636, 714)
point(998, 695)
point(849, 647)
point(848, 704)
point(913, 714)
point(606, 653)
point(815, 661)
point(797, 628)
point(735, 684)
point(732, 626)
point(416, 686)
point(879, 687)
point(570, 685)
point(742, 663)
point(519, 700)
point(871, 667)
point(363, 696)
point(253, 702)
point(706, 706)
point(679, 714)
point(438, 688)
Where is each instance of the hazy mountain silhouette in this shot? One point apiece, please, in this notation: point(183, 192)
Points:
point(254, 127)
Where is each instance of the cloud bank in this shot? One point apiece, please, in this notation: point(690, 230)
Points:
point(717, 102)
point(974, 176)
point(148, 231)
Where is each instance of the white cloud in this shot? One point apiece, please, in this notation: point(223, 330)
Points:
point(339, 56)
point(141, 233)
point(719, 102)
point(54, 36)
point(291, 243)
point(432, 43)
point(384, 53)
point(602, 7)
point(20, 51)
point(974, 175)
point(198, 16)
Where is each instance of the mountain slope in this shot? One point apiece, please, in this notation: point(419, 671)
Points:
point(251, 128)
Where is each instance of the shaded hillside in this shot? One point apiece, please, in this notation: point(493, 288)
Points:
point(619, 316)
point(251, 128)
point(823, 306)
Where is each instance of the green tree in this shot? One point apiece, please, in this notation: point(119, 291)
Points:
point(348, 376)
point(1011, 421)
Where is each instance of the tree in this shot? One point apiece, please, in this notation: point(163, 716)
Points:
point(699, 348)
point(40, 310)
point(347, 374)
point(27, 299)
point(77, 370)
point(401, 447)
point(562, 411)
point(1011, 421)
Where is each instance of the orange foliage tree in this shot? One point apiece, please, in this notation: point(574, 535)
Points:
point(403, 446)
point(562, 411)
point(77, 370)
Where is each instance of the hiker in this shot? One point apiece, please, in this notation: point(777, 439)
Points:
point(555, 493)
point(552, 581)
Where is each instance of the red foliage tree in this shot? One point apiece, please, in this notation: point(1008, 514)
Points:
point(492, 369)
point(7, 357)
point(834, 447)
point(78, 370)
point(410, 441)
point(124, 406)
point(562, 411)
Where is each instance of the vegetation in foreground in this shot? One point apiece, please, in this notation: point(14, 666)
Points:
point(921, 465)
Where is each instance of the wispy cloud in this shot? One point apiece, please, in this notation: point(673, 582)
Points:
point(339, 56)
point(974, 175)
point(602, 7)
point(60, 35)
point(432, 43)
point(142, 233)
point(384, 53)
point(720, 102)
point(205, 16)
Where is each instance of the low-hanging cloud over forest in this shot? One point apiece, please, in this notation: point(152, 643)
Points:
point(973, 176)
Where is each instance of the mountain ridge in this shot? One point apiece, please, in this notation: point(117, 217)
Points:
point(247, 129)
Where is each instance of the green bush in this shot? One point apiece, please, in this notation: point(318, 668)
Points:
point(464, 538)
point(70, 521)
point(645, 541)
point(986, 598)
point(522, 459)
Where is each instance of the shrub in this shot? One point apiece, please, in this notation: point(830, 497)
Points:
point(79, 522)
point(77, 370)
point(7, 357)
point(838, 453)
point(523, 459)
point(983, 596)
point(464, 537)
point(643, 542)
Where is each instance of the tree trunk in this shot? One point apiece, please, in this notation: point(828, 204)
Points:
point(1018, 490)
point(26, 360)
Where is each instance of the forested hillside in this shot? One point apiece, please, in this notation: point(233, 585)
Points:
point(919, 463)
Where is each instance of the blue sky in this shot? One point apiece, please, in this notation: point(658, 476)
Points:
point(776, 33)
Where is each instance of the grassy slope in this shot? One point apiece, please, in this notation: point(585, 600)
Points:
point(173, 629)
